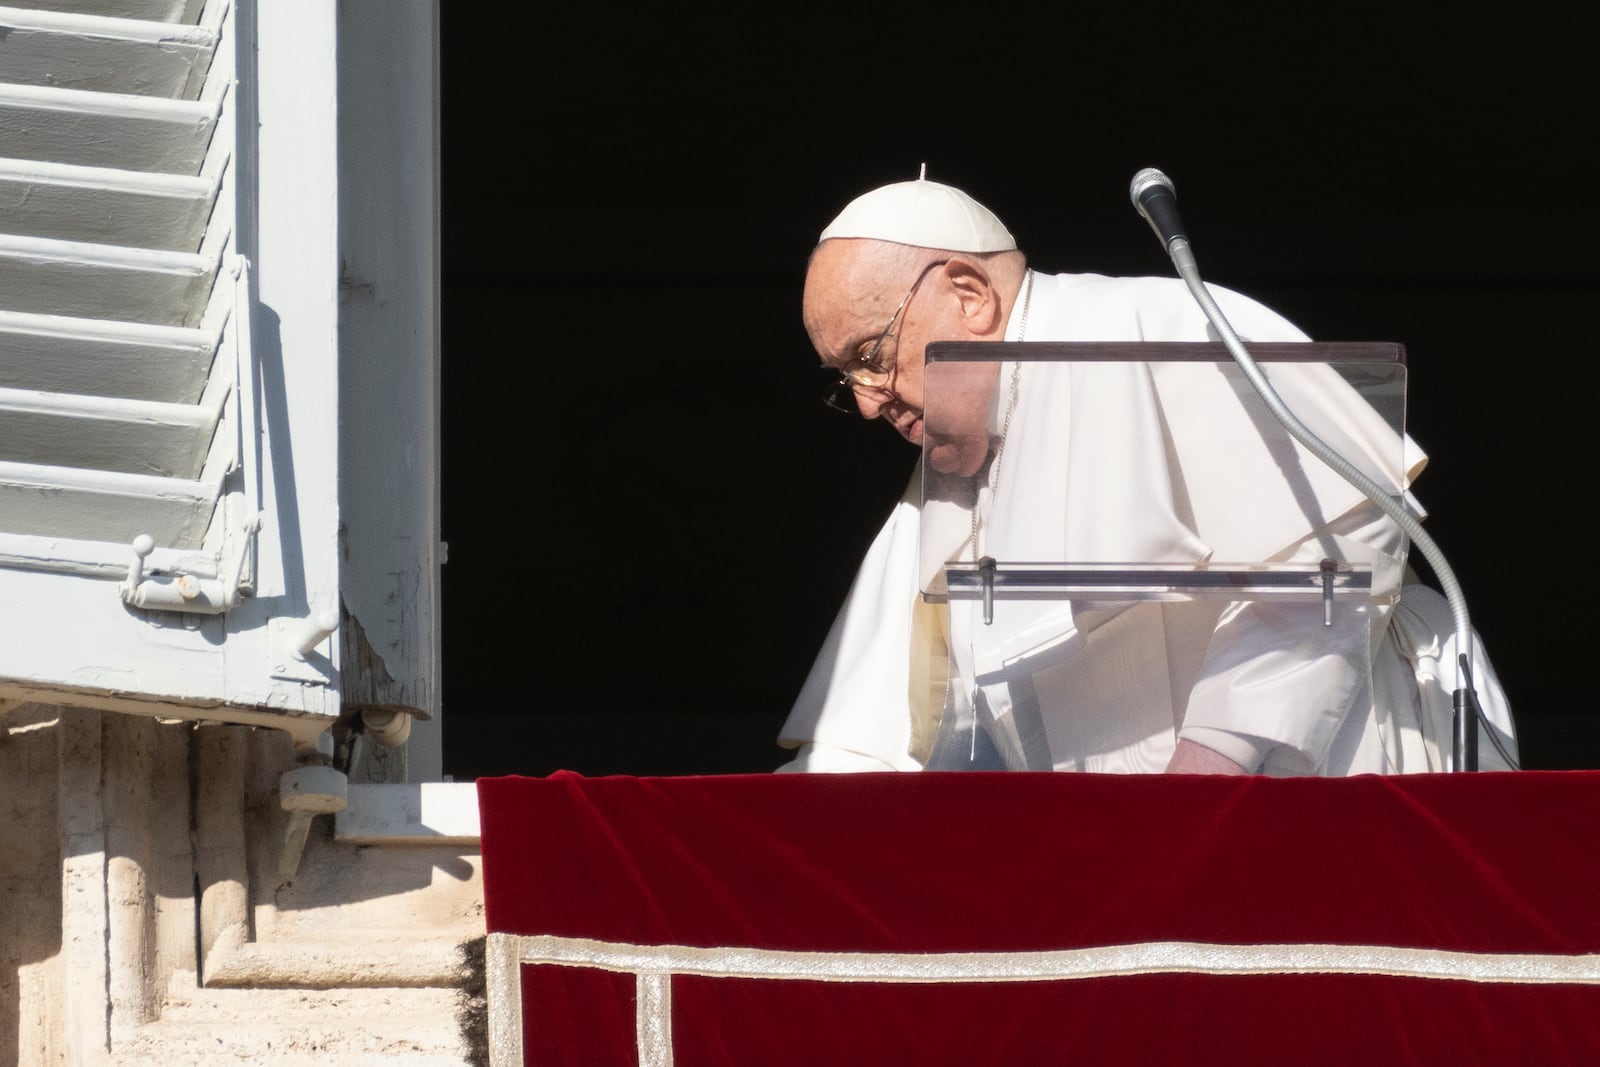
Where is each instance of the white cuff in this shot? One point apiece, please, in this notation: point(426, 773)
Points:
point(1247, 751)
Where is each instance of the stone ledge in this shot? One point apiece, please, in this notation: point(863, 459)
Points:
point(429, 813)
point(234, 963)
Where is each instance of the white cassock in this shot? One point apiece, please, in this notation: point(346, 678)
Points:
point(1136, 462)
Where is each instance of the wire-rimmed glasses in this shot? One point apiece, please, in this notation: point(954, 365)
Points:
point(870, 371)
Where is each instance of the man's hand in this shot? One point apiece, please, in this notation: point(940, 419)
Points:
point(1192, 758)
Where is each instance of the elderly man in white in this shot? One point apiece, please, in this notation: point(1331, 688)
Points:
point(1104, 463)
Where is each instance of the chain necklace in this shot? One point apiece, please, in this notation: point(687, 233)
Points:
point(1005, 424)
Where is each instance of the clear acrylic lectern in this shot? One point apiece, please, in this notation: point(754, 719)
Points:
point(1118, 536)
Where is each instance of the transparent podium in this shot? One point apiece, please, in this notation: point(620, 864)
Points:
point(1119, 539)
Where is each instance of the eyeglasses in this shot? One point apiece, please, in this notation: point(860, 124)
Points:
point(868, 371)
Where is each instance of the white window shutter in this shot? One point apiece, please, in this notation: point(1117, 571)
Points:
point(168, 496)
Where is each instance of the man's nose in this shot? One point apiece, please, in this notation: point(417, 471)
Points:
point(871, 401)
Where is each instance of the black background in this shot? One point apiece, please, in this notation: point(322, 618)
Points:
point(651, 516)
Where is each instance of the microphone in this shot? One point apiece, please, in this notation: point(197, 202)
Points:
point(1151, 192)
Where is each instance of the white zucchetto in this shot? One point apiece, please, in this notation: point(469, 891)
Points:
point(922, 213)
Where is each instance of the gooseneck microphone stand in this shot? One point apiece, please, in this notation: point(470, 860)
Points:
point(1153, 196)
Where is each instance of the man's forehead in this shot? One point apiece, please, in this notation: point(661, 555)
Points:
point(836, 265)
point(840, 299)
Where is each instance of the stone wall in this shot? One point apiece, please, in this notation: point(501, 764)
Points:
point(155, 907)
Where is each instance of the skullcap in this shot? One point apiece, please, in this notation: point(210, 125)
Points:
point(922, 213)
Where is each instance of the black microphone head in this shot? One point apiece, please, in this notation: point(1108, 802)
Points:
point(1154, 199)
point(1146, 181)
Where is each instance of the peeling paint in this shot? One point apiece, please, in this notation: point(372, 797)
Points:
point(365, 680)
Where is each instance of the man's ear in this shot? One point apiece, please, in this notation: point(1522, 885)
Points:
point(978, 297)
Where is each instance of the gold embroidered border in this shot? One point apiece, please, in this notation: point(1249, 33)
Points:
point(655, 964)
point(1154, 957)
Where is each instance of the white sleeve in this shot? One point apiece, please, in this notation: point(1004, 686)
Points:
point(824, 759)
point(1280, 682)
point(856, 698)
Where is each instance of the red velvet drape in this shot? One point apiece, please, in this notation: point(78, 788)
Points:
point(1502, 863)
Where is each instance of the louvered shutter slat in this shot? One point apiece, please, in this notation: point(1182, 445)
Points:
point(57, 354)
point(105, 129)
point(46, 501)
point(173, 11)
point(71, 50)
point(99, 205)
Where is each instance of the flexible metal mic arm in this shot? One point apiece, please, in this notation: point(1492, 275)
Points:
point(1465, 746)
